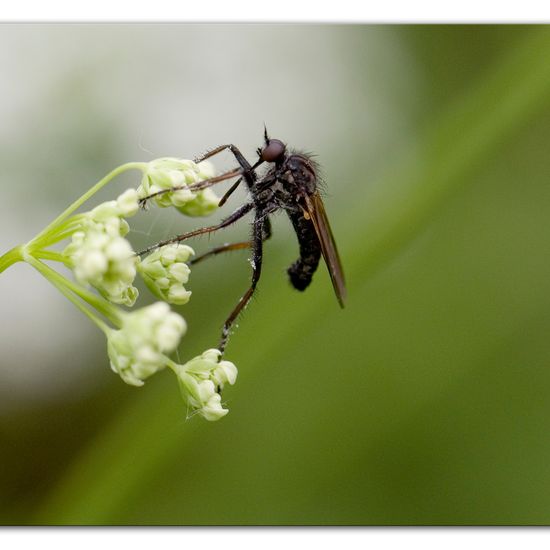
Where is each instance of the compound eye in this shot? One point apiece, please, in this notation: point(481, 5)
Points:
point(272, 151)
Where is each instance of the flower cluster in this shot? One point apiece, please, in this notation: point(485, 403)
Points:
point(100, 256)
point(167, 173)
point(165, 272)
point(138, 349)
point(138, 342)
point(202, 379)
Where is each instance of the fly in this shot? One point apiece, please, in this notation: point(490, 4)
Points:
point(290, 184)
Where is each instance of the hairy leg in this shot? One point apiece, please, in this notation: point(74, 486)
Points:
point(237, 215)
point(257, 251)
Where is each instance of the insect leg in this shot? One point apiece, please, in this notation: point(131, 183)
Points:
point(228, 193)
point(237, 215)
point(248, 172)
point(219, 249)
point(266, 229)
point(266, 234)
point(195, 186)
point(257, 247)
point(243, 163)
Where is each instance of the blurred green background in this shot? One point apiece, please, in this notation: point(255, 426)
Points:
point(425, 401)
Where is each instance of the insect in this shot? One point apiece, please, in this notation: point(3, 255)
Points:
point(290, 184)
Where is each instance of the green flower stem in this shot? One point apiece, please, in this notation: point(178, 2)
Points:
point(48, 240)
point(100, 304)
point(79, 202)
point(11, 257)
point(58, 233)
point(60, 283)
point(51, 255)
point(171, 365)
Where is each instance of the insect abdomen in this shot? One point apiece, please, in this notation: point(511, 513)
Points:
point(302, 270)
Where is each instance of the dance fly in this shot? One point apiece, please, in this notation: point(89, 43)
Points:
point(291, 184)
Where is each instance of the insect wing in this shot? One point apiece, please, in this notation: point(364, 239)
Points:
point(315, 209)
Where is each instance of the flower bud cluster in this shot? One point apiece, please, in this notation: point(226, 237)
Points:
point(167, 173)
point(165, 272)
point(138, 342)
point(202, 379)
point(100, 256)
point(138, 349)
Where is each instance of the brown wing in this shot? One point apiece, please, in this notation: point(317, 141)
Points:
point(316, 212)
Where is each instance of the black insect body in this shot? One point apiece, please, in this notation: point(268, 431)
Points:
point(285, 185)
point(301, 271)
point(291, 184)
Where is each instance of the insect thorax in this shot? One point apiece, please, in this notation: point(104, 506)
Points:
point(299, 174)
point(283, 185)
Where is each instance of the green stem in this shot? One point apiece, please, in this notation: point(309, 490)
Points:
point(60, 283)
point(51, 255)
point(59, 233)
point(35, 246)
point(171, 365)
point(92, 191)
point(100, 304)
point(11, 257)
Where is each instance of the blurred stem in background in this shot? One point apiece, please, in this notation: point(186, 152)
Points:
point(480, 121)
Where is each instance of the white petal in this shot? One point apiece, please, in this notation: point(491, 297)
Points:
point(229, 371)
point(128, 203)
point(93, 264)
point(178, 295)
point(179, 272)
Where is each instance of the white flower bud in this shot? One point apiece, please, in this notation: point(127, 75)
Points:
point(176, 177)
point(165, 272)
point(225, 373)
point(138, 349)
point(201, 381)
point(163, 283)
point(100, 255)
point(93, 265)
point(118, 249)
point(104, 211)
point(181, 197)
point(166, 173)
point(179, 272)
point(205, 170)
point(128, 203)
point(178, 295)
point(211, 355)
point(204, 203)
point(213, 409)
